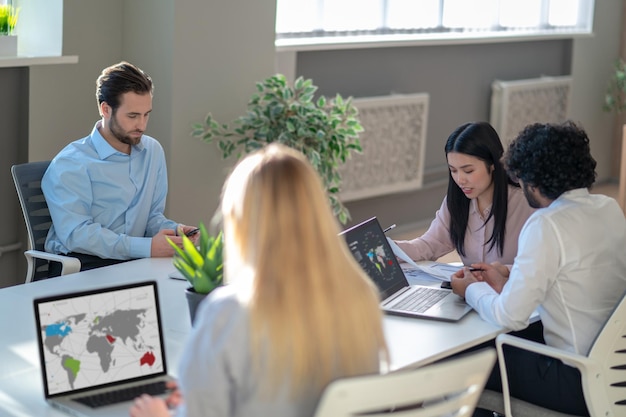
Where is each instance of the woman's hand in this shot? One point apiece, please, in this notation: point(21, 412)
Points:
point(462, 279)
point(175, 398)
point(147, 406)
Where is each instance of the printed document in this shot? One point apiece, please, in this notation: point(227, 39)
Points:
point(439, 270)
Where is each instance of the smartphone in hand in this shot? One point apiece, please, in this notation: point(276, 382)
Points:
point(192, 232)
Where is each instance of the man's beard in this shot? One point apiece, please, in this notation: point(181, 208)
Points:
point(532, 201)
point(120, 135)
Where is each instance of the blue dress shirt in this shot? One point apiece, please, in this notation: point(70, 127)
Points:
point(104, 202)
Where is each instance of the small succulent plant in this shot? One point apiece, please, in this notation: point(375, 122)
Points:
point(203, 265)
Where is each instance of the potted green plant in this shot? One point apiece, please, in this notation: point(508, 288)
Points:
point(8, 20)
point(324, 130)
point(201, 265)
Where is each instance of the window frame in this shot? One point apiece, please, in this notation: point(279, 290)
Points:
point(438, 36)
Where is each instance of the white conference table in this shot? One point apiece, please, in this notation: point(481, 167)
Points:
point(412, 342)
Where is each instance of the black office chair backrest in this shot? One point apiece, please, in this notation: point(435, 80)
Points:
point(27, 178)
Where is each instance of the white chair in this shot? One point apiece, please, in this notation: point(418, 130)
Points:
point(27, 179)
point(603, 372)
point(449, 388)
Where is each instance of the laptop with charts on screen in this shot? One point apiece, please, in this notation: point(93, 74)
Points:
point(102, 348)
point(370, 247)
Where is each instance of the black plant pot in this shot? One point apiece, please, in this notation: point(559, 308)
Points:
point(193, 300)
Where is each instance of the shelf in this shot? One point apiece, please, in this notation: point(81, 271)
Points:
point(27, 61)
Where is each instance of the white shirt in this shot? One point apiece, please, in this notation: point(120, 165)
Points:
point(571, 267)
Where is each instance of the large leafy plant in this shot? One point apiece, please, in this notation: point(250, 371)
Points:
point(202, 266)
point(324, 130)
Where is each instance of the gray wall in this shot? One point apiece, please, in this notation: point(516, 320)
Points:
point(458, 79)
point(592, 65)
point(14, 138)
point(206, 56)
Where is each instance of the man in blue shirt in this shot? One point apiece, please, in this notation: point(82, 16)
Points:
point(106, 192)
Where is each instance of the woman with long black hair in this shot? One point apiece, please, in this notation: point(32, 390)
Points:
point(483, 212)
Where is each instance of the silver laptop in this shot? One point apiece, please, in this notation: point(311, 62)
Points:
point(371, 249)
point(100, 346)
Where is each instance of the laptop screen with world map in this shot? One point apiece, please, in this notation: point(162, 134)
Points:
point(99, 338)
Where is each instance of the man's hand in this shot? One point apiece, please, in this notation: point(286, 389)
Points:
point(462, 279)
point(502, 269)
point(160, 247)
point(192, 232)
point(496, 275)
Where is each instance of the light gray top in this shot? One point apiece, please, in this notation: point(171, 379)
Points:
point(215, 374)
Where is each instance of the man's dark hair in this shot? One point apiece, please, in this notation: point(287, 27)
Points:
point(119, 79)
point(555, 158)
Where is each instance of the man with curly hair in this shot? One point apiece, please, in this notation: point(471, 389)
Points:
point(570, 265)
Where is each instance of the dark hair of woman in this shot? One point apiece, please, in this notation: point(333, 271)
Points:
point(480, 140)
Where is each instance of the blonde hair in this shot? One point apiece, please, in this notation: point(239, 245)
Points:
point(314, 314)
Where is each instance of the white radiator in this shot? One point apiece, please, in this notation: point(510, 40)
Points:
point(515, 104)
point(393, 143)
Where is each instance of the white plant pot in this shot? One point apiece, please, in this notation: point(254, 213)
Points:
point(8, 45)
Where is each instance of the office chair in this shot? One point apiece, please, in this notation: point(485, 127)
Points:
point(449, 388)
point(27, 179)
point(603, 372)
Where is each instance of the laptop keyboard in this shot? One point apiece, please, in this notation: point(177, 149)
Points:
point(121, 395)
point(420, 300)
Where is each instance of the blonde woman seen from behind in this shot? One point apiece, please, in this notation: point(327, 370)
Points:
point(297, 313)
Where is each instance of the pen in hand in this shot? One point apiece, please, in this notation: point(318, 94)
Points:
point(389, 228)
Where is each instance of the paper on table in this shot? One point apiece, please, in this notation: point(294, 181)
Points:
point(401, 254)
point(439, 270)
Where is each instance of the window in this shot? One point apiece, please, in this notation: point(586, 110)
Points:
point(301, 22)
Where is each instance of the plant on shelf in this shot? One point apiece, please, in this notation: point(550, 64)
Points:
point(201, 265)
point(324, 130)
point(8, 19)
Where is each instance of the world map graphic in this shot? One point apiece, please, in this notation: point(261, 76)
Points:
point(106, 338)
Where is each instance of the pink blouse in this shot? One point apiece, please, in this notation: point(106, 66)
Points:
point(436, 242)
